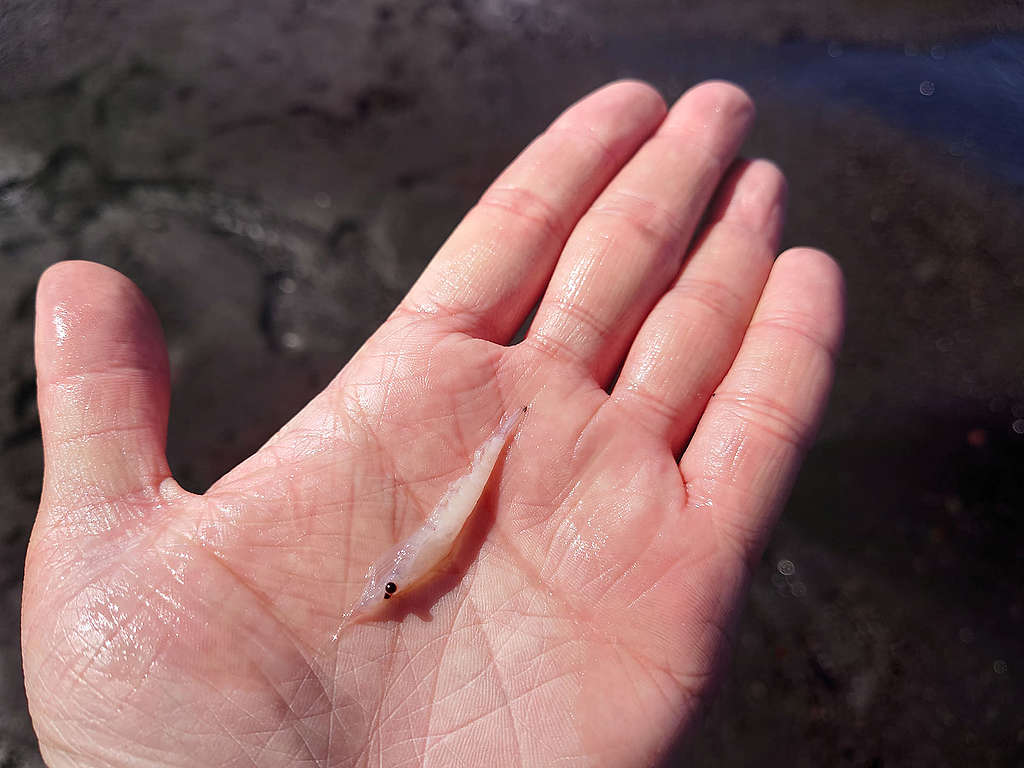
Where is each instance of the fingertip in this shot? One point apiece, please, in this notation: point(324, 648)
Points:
point(78, 276)
point(639, 91)
point(753, 196)
point(89, 315)
point(635, 99)
point(716, 116)
point(721, 97)
point(815, 285)
point(767, 181)
point(813, 267)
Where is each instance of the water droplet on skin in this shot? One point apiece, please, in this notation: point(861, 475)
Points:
point(287, 285)
point(1018, 426)
point(61, 326)
point(786, 567)
point(927, 88)
point(323, 201)
point(291, 340)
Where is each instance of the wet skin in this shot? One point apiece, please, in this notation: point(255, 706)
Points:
point(592, 594)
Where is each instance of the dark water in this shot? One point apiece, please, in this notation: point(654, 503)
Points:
point(967, 97)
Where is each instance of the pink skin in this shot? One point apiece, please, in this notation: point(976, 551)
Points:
point(602, 572)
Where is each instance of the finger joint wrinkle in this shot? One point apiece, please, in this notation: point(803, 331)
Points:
point(526, 204)
point(775, 418)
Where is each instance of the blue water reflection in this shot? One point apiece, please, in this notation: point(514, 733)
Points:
point(967, 97)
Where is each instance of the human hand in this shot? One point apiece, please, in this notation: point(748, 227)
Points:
point(590, 598)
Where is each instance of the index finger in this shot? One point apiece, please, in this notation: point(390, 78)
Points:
point(492, 269)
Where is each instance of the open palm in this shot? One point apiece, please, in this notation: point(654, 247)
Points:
point(587, 602)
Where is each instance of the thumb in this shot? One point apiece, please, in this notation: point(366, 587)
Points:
point(104, 393)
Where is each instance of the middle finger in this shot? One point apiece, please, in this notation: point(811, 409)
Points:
point(628, 247)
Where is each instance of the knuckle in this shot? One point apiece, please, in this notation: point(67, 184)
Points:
point(525, 204)
point(641, 214)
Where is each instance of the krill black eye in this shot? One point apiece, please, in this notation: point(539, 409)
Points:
point(390, 588)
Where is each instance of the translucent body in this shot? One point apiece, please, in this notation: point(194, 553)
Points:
point(411, 561)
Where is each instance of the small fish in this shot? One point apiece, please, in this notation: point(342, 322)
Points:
point(411, 561)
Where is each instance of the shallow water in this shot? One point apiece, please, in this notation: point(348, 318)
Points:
point(968, 97)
